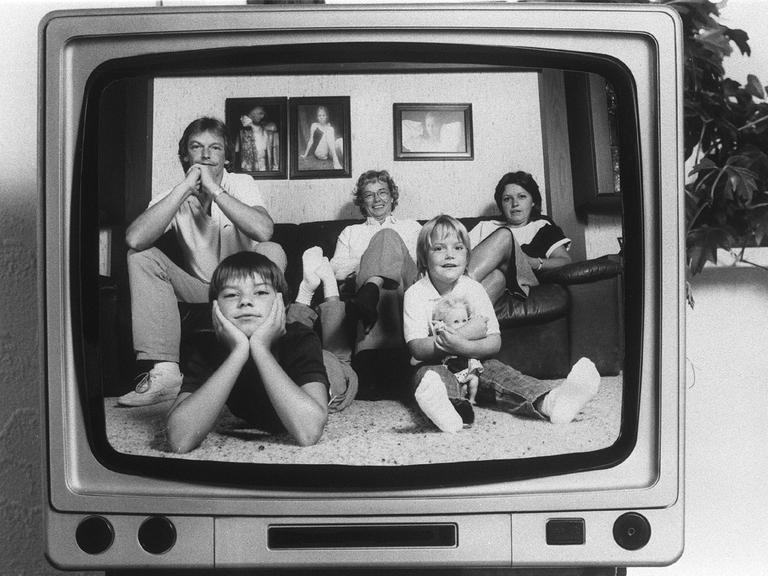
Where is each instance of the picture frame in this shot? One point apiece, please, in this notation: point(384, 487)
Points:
point(311, 154)
point(433, 131)
point(263, 154)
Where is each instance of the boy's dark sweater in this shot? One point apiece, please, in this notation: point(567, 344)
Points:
point(298, 352)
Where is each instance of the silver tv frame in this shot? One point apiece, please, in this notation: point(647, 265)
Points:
point(498, 525)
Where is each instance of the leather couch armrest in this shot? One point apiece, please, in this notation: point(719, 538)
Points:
point(585, 271)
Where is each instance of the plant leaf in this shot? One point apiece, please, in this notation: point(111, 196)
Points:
point(704, 165)
point(703, 244)
point(716, 41)
point(741, 39)
point(758, 218)
point(754, 87)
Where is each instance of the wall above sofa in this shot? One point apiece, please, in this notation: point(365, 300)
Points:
point(506, 121)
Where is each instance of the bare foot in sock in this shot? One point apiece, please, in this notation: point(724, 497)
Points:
point(324, 271)
point(327, 278)
point(432, 398)
point(310, 261)
point(564, 402)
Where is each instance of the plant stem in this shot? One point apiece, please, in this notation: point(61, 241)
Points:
point(696, 217)
point(754, 123)
point(755, 264)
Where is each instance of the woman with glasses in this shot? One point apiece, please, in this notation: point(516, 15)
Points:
point(377, 257)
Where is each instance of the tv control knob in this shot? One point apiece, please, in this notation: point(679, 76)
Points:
point(157, 535)
point(94, 535)
point(631, 531)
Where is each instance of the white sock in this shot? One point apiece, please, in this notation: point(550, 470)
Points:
point(167, 367)
point(305, 294)
point(432, 398)
point(564, 402)
point(328, 278)
point(310, 261)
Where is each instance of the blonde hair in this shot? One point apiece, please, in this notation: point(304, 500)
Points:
point(443, 225)
point(448, 303)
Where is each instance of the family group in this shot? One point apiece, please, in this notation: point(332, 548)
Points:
point(262, 356)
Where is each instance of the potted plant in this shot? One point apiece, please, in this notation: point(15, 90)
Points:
point(726, 140)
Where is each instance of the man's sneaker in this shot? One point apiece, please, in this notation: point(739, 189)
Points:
point(153, 387)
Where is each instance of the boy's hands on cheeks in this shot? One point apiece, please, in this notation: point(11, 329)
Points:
point(273, 327)
point(227, 333)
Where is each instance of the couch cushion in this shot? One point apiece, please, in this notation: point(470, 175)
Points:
point(544, 303)
point(540, 349)
point(287, 236)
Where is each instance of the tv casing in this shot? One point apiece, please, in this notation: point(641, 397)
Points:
point(501, 524)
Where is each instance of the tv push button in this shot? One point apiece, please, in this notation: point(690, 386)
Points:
point(157, 535)
point(94, 535)
point(631, 531)
point(565, 532)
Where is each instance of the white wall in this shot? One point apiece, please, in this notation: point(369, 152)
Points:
point(21, 532)
point(506, 125)
point(727, 401)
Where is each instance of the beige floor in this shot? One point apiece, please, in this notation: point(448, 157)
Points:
point(381, 433)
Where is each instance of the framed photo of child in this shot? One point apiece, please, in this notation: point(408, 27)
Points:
point(320, 137)
point(259, 132)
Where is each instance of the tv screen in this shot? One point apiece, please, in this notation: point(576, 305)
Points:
point(583, 102)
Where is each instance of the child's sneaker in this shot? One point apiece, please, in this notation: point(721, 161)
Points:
point(153, 387)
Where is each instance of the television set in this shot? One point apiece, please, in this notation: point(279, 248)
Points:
point(587, 98)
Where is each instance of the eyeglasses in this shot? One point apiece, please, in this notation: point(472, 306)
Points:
point(382, 194)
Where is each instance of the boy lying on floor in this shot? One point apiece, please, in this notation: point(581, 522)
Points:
point(267, 372)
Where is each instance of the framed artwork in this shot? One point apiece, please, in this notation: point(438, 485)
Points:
point(320, 137)
point(433, 131)
point(259, 130)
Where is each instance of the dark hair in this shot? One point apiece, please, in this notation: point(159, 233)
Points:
point(242, 265)
point(204, 124)
point(442, 225)
point(374, 176)
point(525, 181)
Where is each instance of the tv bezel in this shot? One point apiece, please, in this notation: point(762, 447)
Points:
point(346, 58)
point(74, 44)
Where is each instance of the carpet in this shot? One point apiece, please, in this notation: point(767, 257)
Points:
point(382, 433)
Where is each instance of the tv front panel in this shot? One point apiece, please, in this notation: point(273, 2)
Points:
point(624, 508)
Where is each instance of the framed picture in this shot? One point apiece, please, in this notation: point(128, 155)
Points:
point(259, 129)
point(320, 137)
point(433, 131)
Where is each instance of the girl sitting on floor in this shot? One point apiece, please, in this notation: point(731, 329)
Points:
point(442, 252)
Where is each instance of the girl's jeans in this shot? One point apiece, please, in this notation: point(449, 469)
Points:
point(500, 385)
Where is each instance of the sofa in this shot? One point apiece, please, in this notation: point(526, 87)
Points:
point(575, 311)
